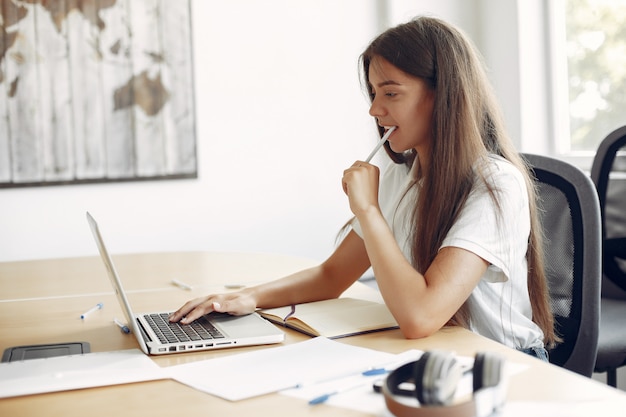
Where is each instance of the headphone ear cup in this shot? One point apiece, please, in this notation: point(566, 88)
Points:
point(433, 379)
point(418, 376)
point(477, 371)
point(437, 375)
point(488, 370)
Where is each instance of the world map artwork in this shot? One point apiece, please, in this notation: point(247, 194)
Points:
point(95, 90)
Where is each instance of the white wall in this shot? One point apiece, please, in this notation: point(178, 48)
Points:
point(280, 114)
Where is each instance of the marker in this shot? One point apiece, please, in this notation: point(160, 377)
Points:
point(91, 310)
point(380, 143)
point(181, 285)
point(124, 328)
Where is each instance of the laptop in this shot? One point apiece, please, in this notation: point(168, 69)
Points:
point(157, 336)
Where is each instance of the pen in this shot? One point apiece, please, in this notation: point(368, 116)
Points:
point(124, 328)
point(234, 286)
point(324, 397)
point(375, 371)
point(91, 310)
point(380, 143)
point(181, 285)
point(320, 399)
point(368, 372)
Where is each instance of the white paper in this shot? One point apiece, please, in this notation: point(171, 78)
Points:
point(364, 399)
point(62, 373)
point(360, 398)
point(250, 374)
point(562, 409)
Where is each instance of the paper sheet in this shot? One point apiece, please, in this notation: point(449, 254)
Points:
point(250, 374)
point(364, 399)
point(562, 409)
point(64, 373)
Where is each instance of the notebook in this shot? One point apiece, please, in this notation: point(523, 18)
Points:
point(334, 318)
point(157, 336)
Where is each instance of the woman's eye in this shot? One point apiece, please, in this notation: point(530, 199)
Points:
point(389, 94)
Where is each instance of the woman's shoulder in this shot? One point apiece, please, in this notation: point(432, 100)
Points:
point(502, 173)
point(498, 166)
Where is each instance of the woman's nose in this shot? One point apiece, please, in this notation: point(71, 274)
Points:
point(376, 110)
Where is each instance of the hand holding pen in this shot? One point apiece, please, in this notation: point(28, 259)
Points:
point(360, 181)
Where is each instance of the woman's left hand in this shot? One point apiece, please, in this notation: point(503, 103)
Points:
point(360, 183)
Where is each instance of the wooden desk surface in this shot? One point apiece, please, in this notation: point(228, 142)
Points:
point(41, 302)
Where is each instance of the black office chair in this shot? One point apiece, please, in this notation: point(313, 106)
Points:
point(570, 216)
point(612, 196)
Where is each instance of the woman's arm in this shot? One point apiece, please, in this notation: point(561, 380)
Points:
point(421, 304)
point(327, 280)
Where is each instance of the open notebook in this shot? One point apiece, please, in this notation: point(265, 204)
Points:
point(156, 335)
point(333, 318)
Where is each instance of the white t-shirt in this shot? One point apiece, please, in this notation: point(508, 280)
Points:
point(499, 306)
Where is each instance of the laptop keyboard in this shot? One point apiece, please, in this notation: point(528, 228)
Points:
point(167, 332)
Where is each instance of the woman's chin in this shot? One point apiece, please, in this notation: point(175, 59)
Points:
point(397, 148)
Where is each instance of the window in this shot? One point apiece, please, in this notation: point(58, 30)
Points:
point(589, 73)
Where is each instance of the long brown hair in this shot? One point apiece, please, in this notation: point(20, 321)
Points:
point(466, 126)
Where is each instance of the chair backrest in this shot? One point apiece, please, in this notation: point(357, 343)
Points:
point(612, 195)
point(570, 216)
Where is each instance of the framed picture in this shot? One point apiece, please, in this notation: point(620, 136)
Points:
point(96, 91)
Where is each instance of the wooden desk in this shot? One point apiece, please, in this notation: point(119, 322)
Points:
point(41, 302)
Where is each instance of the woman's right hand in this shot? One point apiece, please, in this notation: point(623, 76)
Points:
point(360, 183)
point(237, 303)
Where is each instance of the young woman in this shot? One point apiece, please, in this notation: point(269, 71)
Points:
point(450, 229)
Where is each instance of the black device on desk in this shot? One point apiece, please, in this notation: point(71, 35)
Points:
point(21, 353)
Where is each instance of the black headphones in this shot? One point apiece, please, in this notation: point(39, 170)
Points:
point(433, 379)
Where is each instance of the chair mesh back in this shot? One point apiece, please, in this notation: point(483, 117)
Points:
point(559, 248)
point(570, 214)
point(558, 205)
